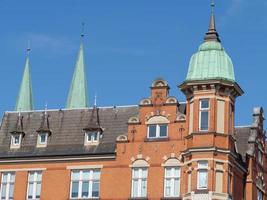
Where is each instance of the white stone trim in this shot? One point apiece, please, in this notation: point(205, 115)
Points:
point(85, 167)
point(22, 169)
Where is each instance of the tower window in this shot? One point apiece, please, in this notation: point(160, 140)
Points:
point(16, 140)
point(204, 115)
point(202, 175)
point(157, 131)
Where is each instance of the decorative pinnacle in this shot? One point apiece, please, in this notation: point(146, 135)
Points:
point(95, 103)
point(82, 32)
point(46, 108)
point(28, 48)
point(212, 34)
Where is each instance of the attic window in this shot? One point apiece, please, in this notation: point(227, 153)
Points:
point(42, 139)
point(15, 141)
point(91, 138)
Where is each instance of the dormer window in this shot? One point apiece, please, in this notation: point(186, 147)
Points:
point(204, 115)
point(92, 137)
point(16, 140)
point(42, 139)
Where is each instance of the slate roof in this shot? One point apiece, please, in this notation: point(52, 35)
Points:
point(67, 132)
point(242, 134)
point(67, 137)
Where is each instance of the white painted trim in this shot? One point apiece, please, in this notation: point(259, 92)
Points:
point(22, 170)
point(85, 167)
point(57, 159)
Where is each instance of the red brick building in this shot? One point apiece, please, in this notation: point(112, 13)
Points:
point(160, 149)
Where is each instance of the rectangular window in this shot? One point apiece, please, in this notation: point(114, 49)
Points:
point(172, 182)
point(204, 115)
point(139, 182)
point(7, 186)
point(92, 137)
point(15, 140)
point(157, 131)
point(85, 183)
point(202, 175)
point(34, 185)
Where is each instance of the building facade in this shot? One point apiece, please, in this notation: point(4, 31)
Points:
point(160, 149)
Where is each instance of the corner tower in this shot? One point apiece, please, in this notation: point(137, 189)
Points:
point(211, 91)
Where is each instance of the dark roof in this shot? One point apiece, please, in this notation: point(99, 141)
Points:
point(242, 135)
point(67, 137)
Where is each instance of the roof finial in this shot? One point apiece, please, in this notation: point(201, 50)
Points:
point(46, 108)
point(95, 103)
point(82, 32)
point(212, 34)
point(212, 5)
point(28, 48)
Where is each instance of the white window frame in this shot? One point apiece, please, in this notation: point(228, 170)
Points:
point(204, 110)
point(39, 143)
point(172, 178)
point(202, 167)
point(34, 182)
point(92, 141)
point(81, 179)
point(157, 131)
point(13, 144)
point(8, 183)
point(139, 180)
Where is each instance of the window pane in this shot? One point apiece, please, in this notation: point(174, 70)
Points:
point(11, 191)
point(85, 189)
point(75, 175)
point(39, 176)
point(163, 130)
point(38, 190)
point(85, 175)
point(203, 164)
point(167, 187)
point(168, 172)
point(176, 188)
point(30, 191)
point(152, 131)
point(135, 173)
point(95, 189)
point(176, 172)
point(135, 188)
point(75, 189)
point(202, 179)
point(143, 189)
point(205, 103)
point(31, 176)
point(16, 139)
point(144, 173)
point(5, 177)
point(3, 189)
point(12, 177)
point(42, 138)
point(96, 174)
point(204, 120)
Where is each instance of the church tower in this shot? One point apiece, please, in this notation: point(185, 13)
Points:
point(211, 91)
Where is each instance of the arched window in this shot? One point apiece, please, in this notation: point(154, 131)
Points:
point(139, 178)
point(157, 127)
point(172, 178)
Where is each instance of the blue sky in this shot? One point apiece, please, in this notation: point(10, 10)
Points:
point(127, 45)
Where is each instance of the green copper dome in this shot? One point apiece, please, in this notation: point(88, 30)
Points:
point(210, 62)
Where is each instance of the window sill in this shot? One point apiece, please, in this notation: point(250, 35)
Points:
point(85, 198)
point(157, 139)
point(202, 191)
point(138, 198)
point(171, 198)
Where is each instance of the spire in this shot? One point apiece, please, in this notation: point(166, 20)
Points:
point(212, 34)
point(77, 97)
point(25, 100)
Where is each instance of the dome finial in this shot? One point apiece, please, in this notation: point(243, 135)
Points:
point(212, 34)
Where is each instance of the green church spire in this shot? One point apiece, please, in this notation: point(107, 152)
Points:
point(25, 100)
point(77, 97)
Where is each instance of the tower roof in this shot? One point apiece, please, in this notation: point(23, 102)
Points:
point(211, 62)
point(77, 97)
point(25, 100)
